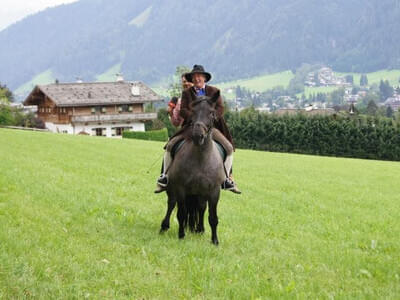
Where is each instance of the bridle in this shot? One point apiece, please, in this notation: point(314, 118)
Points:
point(206, 128)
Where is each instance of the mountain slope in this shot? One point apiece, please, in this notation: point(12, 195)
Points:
point(148, 38)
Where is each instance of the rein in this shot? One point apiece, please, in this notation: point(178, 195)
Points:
point(206, 128)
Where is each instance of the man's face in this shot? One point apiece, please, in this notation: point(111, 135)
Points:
point(198, 80)
point(186, 84)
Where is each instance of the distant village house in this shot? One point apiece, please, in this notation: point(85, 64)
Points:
point(310, 110)
point(393, 102)
point(325, 77)
point(97, 109)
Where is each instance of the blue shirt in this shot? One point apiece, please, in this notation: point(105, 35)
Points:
point(200, 92)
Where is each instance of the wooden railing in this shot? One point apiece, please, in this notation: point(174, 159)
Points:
point(113, 117)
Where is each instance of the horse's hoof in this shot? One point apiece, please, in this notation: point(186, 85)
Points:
point(199, 231)
point(215, 242)
point(162, 230)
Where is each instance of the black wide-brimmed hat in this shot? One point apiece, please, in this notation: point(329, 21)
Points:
point(197, 69)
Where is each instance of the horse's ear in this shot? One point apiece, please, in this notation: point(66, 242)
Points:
point(215, 97)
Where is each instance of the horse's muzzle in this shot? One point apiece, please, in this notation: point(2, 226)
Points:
point(199, 133)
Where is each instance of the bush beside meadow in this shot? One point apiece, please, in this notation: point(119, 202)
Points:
point(336, 135)
point(152, 135)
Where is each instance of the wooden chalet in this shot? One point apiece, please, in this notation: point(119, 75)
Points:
point(98, 108)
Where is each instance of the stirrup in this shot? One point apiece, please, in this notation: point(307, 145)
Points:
point(230, 185)
point(162, 180)
point(160, 189)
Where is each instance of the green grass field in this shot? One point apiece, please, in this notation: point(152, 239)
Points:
point(392, 76)
point(260, 83)
point(308, 91)
point(78, 219)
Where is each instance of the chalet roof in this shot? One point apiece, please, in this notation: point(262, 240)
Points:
point(94, 93)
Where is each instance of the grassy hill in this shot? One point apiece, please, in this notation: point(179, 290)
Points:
point(78, 219)
point(265, 82)
point(259, 83)
point(42, 78)
point(393, 76)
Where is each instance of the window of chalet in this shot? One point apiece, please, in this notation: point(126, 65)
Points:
point(123, 108)
point(99, 131)
point(118, 131)
point(63, 110)
point(99, 110)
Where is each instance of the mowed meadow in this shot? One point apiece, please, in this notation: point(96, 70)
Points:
point(78, 219)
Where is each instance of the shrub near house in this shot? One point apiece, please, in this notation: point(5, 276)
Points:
point(153, 135)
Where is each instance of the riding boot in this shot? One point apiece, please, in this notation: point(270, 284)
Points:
point(229, 184)
point(162, 181)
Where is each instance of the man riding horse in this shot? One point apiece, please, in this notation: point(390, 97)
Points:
point(199, 77)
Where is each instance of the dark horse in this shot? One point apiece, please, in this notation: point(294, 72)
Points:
point(197, 172)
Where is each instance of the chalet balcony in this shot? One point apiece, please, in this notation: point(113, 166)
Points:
point(118, 118)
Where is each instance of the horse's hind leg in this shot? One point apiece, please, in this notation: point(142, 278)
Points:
point(191, 206)
point(165, 221)
point(201, 206)
point(213, 218)
point(182, 218)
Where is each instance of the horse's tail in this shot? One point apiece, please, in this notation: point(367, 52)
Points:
point(192, 212)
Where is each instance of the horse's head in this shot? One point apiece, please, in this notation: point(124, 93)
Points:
point(203, 117)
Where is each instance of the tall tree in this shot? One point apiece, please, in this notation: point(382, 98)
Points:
point(355, 90)
point(363, 80)
point(389, 112)
point(385, 90)
point(372, 108)
point(5, 94)
point(349, 79)
point(175, 89)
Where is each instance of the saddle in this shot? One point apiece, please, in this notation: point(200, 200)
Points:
point(178, 145)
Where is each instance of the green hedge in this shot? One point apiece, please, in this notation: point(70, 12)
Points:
point(154, 135)
point(356, 136)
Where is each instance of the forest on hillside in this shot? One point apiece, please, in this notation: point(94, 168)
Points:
point(146, 39)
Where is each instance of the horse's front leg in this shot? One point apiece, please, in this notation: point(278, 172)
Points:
point(213, 217)
point(170, 208)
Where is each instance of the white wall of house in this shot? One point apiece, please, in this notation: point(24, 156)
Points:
point(60, 128)
point(108, 130)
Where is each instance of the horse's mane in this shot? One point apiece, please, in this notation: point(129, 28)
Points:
point(201, 99)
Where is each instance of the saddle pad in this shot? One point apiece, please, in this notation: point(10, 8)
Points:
point(175, 148)
point(178, 145)
point(221, 150)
